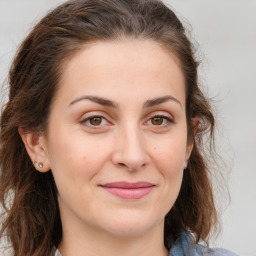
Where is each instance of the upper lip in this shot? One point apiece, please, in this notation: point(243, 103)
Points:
point(128, 185)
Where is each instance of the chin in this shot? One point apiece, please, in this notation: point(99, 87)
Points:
point(131, 227)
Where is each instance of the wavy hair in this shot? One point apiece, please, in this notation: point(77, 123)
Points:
point(32, 220)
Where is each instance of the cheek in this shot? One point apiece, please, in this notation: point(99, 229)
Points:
point(170, 154)
point(169, 157)
point(169, 161)
point(75, 158)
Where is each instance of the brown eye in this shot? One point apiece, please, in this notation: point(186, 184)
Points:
point(157, 120)
point(96, 120)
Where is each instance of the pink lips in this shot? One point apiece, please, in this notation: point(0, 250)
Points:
point(128, 190)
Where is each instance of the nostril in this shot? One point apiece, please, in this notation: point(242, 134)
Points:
point(123, 165)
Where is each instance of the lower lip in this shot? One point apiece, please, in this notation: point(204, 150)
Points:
point(129, 193)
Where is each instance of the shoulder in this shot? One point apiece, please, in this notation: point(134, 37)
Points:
point(185, 247)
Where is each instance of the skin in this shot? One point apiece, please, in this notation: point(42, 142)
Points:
point(136, 139)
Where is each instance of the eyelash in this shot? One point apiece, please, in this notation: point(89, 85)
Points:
point(89, 119)
point(164, 118)
point(165, 121)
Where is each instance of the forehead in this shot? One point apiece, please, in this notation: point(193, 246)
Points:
point(124, 65)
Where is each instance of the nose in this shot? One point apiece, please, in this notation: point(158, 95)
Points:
point(130, 152)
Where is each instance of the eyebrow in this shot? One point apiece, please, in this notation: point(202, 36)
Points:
point(160, 100)
point(96, 99)
point(109, 103)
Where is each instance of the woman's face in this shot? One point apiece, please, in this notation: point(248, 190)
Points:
point(117, 137)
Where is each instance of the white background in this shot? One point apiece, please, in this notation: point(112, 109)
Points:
point(226, 32)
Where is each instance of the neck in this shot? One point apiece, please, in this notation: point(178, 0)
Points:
point(95, 243)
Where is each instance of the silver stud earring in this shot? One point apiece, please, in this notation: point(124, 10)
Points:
point(40, 165)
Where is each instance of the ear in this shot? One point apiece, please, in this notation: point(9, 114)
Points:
point(36, 149)
point(190, 143)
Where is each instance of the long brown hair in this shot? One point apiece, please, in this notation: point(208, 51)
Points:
point(32, 220)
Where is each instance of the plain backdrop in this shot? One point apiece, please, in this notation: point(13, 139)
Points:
point(226, 33)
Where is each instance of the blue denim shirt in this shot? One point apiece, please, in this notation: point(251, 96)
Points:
point(185, 247)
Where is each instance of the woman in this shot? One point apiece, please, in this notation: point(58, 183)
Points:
point(101, 139)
